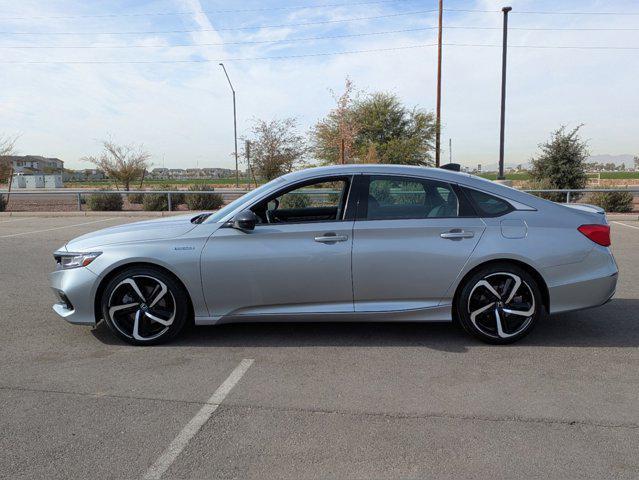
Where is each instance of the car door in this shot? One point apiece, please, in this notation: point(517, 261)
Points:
point(296, 260)
point(411, 238)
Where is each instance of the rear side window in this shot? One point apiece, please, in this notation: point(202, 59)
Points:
point(488, 205)
point(401, 198)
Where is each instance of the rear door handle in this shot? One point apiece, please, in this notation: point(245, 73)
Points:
point(331, 238)
point(457, 233)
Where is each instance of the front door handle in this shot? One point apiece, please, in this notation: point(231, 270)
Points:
point(331, 238)
point(457, 233)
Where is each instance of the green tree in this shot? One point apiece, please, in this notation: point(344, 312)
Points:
point(276, 147)
point(562, 161)
point(383, 130)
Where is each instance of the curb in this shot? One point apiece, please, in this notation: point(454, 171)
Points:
point(622, 216)
point(93, 214)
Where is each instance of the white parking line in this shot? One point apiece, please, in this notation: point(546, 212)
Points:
point(17, 219)
point(165, 460)
point(56, 228)
point(626, 225)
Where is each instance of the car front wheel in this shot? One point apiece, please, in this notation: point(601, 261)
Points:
point(145, 306)
point(499, 304)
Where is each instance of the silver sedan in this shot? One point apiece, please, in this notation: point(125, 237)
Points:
point(345, 243)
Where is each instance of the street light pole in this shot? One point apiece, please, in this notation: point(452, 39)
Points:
point(438, 120)
point(503, 93)
point(237, 171)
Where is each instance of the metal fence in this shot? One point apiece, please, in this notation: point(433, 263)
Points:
point(571, 192)
point(229, 194)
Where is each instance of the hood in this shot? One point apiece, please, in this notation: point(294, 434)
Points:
point(161, 228)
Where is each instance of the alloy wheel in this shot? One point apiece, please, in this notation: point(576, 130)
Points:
point(501, 305)
point(142, 307)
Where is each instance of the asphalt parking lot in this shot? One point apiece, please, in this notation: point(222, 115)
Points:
point(318, 400)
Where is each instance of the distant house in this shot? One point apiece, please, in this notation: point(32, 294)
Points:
point(86, 175)
point(177, 173)
point(190, 173)
point(35, 164)
point(218, 172)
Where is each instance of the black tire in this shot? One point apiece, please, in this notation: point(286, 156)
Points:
point(488, 308)
point(122, 306)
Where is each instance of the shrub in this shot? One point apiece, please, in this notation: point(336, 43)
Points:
point(3, 203)
point(552, 196)
point(619, 202)
point(136, 198)
point(203, 201)
point(155, 202)
point(176, 198)
point(295, 200)
point(105, 202)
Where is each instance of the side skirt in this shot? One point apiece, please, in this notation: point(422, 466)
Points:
point(440, 313)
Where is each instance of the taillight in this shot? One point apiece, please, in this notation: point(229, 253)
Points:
point(599, 234)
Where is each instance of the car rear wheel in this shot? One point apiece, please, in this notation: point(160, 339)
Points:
point(499, 304)
point(145, 306)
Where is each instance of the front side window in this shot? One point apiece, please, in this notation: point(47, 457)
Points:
point(401, 198)
point(321, 201)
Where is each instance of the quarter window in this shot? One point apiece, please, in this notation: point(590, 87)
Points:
point(488, 205)
point(397, 198)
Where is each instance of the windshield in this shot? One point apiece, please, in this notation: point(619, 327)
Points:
point(221, 213)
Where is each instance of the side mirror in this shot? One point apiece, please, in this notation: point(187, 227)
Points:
point(245, 221)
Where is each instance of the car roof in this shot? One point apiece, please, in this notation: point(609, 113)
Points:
point(441, 174)
point(436, 173)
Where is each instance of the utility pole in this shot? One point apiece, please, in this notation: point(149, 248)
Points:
point(503, 93)
point(342, 149)
point(247, 151)
point(450, 150)
point(439, 86)
point(237, 171)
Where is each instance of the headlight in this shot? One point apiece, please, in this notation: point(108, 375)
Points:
point(68, 260)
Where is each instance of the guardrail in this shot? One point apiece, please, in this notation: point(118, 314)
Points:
point(570, 191)
point(225, 193)
point(231, 194)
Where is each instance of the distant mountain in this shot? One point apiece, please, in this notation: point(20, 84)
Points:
point(603, 158)
point(616, 159)
point(493, 167)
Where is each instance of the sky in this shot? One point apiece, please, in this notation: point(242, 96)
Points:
point(73, 73)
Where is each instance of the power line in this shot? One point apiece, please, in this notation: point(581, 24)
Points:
point(207, 60)
point(249, 42)
point(322, 37)
point(559, 47)
point(307, 55)
point(303, 39)
point(256, 27)
point(558, 29)
point(299, 7)
point(539, 12)
point(195, 12)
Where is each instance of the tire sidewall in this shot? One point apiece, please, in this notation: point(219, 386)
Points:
point(179, 294)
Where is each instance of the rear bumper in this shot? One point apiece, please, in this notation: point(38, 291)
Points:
point(75, 290)
point(590, 283)
point(580, 295)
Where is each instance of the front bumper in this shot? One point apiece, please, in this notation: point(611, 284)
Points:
point(75, 289)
